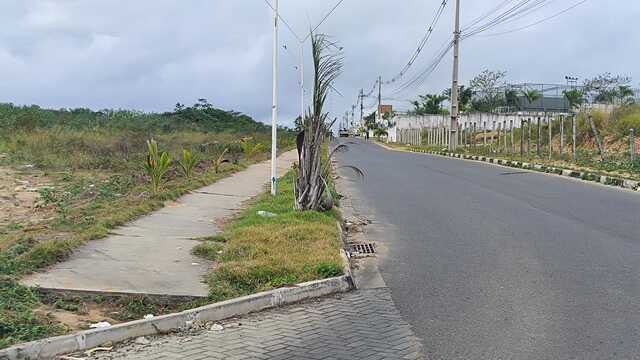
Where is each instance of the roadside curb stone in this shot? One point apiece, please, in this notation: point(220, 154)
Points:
point(586, 176)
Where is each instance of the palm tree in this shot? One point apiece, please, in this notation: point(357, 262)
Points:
point(310, 186)
point(574, 97)
point(531, 95)
point(511, 98)
point(380, 132)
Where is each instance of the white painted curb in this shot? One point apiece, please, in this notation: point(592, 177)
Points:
point(52, 347)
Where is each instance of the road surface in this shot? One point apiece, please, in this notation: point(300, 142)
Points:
point(487, 262)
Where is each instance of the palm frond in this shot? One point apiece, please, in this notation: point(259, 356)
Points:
point(355, 169)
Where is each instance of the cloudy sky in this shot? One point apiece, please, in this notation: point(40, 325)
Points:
point(150, 54)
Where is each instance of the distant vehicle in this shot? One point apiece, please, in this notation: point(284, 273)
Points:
point(343, 133)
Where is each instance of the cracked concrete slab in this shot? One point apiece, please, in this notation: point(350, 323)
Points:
point(152, 255)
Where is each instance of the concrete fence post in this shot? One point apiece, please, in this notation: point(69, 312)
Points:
point(521, 139)
point(561, 135)
point(573, 138)
point(529, 138)
point(632, 144)
point(549, 123)
point(499, 136)
point(504, 136)
point(597, 136)
point(538, 138)
point(484, 129)
point(513, 144)
point(473, 135)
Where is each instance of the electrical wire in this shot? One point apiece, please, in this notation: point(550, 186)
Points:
point(323, 20)
point(508, 14)
point(421, 45)
point(420, 78)
point(537, 22)
point(283, 21)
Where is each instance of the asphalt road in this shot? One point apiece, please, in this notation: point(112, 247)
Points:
point(487, 262)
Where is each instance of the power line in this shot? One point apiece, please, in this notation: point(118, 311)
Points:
point(421, 77)
point(421, 45)
point(323, 20)
point(487, 14)
point(500, 18)
point(537, 22)
point(283, 21)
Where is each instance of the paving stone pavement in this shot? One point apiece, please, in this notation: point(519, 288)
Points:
point(362, 324)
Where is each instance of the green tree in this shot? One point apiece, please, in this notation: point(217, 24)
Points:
point(380, 132)
point(575, 98)
point(310, 184)
point(485, 87)
point(511, 99)
point(531, 95)
point(605, 88)
point(465, 96)
point(429, 104)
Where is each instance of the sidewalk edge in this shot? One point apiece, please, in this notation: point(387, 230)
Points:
point(52, 347)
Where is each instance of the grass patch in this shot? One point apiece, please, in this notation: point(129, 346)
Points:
point(263, 253)
point(18, 321)
point(207, 250)
point(90, 165)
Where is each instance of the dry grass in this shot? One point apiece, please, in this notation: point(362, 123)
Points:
point(268, 252)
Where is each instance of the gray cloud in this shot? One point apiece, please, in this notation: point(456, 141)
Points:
point(148, 55)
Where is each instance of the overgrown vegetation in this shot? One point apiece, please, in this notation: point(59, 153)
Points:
point(613, 129)
point(94, 163)
point(264, 252)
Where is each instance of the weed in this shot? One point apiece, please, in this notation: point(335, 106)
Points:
point(157, 165)
point(187, 163)
point(207, 250)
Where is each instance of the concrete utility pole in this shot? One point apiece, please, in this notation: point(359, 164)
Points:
point(379, 96)
point(455, 106)
point(353, 115)
point(361, 105)
point(274, 105)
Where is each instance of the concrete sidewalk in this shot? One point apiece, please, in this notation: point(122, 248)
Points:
point(152, 255)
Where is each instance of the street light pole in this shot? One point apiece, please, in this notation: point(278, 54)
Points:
point(302, 83)
point(274, 105)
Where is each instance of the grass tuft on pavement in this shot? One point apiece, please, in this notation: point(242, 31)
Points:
point(266, 252)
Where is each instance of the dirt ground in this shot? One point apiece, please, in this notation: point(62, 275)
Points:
point(80, 320)
point(19, 196)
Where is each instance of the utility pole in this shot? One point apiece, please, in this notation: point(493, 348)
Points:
point(454, 86)
point(379, 96)
point(274, 105)
point(353, 116)
point(361, 105)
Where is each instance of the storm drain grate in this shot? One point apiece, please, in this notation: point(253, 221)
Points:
point(363, 249)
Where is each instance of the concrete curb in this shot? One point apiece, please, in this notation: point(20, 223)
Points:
point(52, 347)
point(582, 175)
